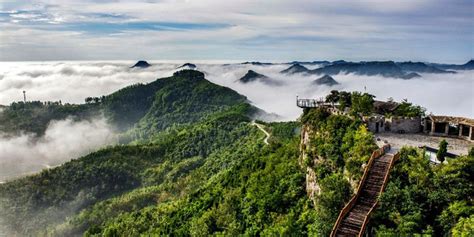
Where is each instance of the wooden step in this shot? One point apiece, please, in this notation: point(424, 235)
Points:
point(351, 224)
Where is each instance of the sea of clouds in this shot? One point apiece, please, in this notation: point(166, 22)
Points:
point(71, 82)
point(443, 94)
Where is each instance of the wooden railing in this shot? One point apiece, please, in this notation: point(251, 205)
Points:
point(376, 154)
point(385, 181)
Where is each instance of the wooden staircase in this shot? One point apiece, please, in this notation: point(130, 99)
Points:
point(354, 216)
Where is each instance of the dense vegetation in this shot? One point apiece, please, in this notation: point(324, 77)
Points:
point(210, 174)
point(363, 104)
point(191, 164)
point(421, 198)
point(338, 148)
point(212, 177)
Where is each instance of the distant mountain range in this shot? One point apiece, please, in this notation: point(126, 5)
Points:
point(467, 66)
point(402, 70)
point(386, 69)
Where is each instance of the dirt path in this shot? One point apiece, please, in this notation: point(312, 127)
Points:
point(267, 134)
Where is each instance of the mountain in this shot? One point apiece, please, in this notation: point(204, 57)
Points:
point(257, 63)
point(197, 164)
point(192, 154)
point(410, 76)
point(338, 62)
point(467, 66)
point(252, 76)
point(310, 62)
point(130, 107)
point(187, 66)
point(386, 69)
point(141, 64)
point(325, 80)
point(180, 99)
point(420, 67)
point(295, 68)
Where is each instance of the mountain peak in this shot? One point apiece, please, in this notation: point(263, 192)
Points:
point(470, 63)
point(250, 76)
point(189, 73)
point(295, 68)
point(188, 66)
point(325, 80)
point(141, 64)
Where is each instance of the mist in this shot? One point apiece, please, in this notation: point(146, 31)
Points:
point(441, 94)
point(63, 140)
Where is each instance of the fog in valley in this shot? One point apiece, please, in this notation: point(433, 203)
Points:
point(62, 141)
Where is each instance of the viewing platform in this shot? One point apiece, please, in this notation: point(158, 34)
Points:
point(312, 103)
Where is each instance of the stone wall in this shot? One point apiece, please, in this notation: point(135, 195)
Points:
point(404, 124)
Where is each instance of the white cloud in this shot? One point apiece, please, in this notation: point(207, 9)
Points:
point(63, 140)
point(303, 29)
point(71, 81)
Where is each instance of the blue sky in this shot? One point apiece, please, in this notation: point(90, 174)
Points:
point(266, 30)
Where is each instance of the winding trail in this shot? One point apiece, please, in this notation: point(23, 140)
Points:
point(267, 134)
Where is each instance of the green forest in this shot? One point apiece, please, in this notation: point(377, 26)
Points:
point(190, 163)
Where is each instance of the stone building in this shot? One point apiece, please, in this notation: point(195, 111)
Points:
point(396, 124)
point(449, 126)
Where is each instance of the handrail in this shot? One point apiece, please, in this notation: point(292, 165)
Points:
point(384, 184)
point(376, 154)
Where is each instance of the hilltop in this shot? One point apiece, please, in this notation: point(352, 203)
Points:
point(252, 76)
point(295, 68)
point(325, 80)
point(141, 64)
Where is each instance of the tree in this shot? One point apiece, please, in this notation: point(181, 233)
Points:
point(471, 152)
point(409, 110)
point(443, 148)
point(344, 100)
point(333, 97)
point(362, 103)
point(88, 100)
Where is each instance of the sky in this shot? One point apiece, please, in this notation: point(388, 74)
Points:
point(265, 30)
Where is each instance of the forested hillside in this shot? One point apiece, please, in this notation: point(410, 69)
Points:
point(208, 172)
point(191, 163)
